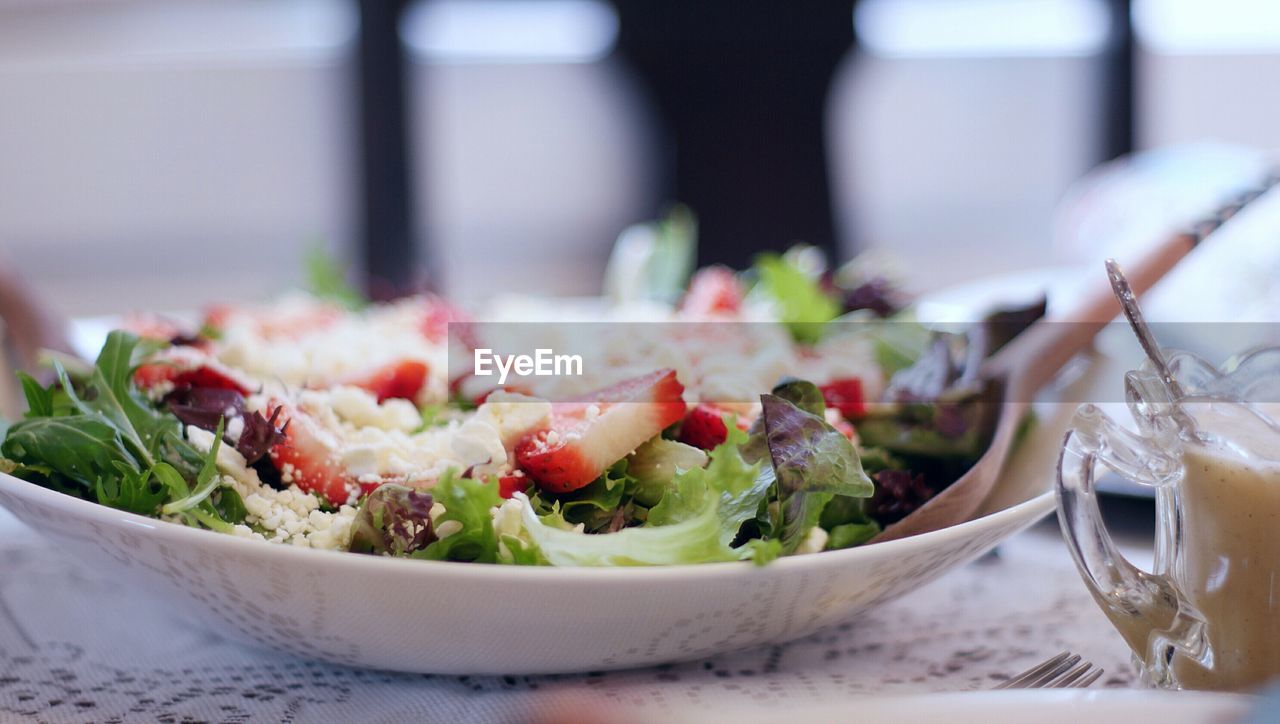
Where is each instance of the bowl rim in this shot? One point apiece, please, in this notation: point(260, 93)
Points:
point(1034, 508)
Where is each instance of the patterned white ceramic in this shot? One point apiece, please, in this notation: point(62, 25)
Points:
point(442, 617)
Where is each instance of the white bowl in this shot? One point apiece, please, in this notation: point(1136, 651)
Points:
point(440, 617)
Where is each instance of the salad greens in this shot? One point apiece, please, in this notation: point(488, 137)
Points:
point(801, 303)
point(326, 280)
point(653, 261)
point(99, 438)
point(816, 469)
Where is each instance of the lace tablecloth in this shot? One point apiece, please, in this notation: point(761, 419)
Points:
point(78, 646)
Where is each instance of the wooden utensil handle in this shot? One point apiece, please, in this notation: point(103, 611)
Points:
point(1035, 356)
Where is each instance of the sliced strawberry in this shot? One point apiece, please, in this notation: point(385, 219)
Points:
point(713, 290)
point(289, 322)
point(846, 396)
point(149, 376)
point(216, 316)
point(509, 485)
point(585, 438)
point(704, 427)
point(402, 379)
point(152, 326)
point(308, 461)
point(438, 315)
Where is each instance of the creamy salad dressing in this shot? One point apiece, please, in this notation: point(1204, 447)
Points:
point(1230, 553)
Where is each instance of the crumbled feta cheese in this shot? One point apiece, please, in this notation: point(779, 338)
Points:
point(280, 516)
point(235, 428)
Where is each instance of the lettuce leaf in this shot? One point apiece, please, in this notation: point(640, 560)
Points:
point(467, 501)
point(801, 303)
point(812, 462)
point(848, 535)
point(695, 521)
point(393, 521)
point(655, 464)
point(694, 540)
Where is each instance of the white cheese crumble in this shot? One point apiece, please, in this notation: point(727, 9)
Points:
point(279, 516)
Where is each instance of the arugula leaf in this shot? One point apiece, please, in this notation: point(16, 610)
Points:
point(801, 303)
point(229, 506)
point(80, 448)
point(133, 490)
point(39, 399)
point(206, 480)
point(468, 502)
point(326, 280)
point(100, 438)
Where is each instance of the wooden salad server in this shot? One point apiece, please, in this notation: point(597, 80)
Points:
point(1028, 362)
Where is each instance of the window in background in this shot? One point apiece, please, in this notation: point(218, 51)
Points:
point(166, 155)
point(533, 147)
point(1208, 70)
point(960, 124)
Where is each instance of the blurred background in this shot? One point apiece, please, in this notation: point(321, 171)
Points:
point(165, 155)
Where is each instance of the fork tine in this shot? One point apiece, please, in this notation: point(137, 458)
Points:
point(1088, 680)
point(1048, 678)
point(1036, 672)
point(1069, 678)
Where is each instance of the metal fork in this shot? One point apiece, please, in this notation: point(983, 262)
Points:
point(1064, 671)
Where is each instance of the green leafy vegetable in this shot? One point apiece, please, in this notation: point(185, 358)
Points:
point(325, 279)
point(137, 491)
point(467, 502)
point(696, 520)
point(811, 462)
point(100, 438)
point(693, 540)
point(653, 261)
point(728, 484)
point(848, 535)
point(654, 466)
point(801, 303)
point(206, 480)
point(39, 399)
point(393, 520)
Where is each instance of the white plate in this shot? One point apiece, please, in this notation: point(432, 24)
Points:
point(983, 707)
point(440, 617)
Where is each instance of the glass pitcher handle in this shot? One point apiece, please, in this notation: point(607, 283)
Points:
point(1146, 608)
